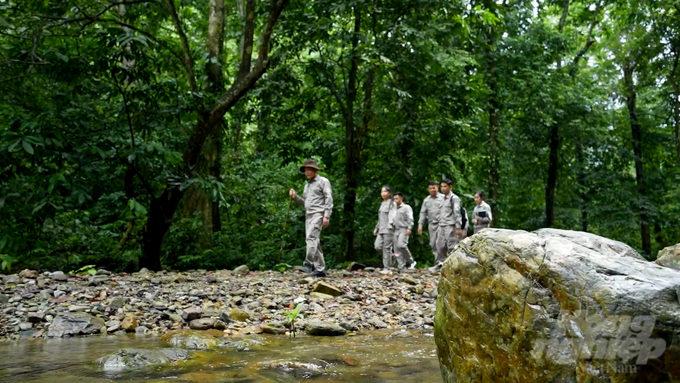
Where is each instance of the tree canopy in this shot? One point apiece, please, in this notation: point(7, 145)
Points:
point(166, 133)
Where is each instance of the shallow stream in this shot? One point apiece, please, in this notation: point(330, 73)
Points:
point(379, 356)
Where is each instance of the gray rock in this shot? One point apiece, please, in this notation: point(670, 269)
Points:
point(46, 295)
point(409, 279)
point(242, 270)
point(160, 306)
point(224, 317)
point(273, 328)
point(76, 308)
point(202, 324)
point(328, 289)
point(377, 323)
point(190, 340)
point(74, 324)
point(198, 293)
point(3, 299)
point(143, 271)
point(130, 358)
point(103, 272)
point(24, 326)
point(36, 317)
point(320, 328)
point(59, 293)
point(546, 300)
point(113, 326)
point(211, 279)
point(669, 257)
point(141, 330)
point(349, 326)
point(355, 266)
point(59, 276)
point(11, 279)
point(117, 303)
point(192, 313)
point(370, 269)
point(176, 318)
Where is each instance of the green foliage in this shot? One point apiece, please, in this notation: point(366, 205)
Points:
point(292, 315)
point(95, 115)
point(85, 270)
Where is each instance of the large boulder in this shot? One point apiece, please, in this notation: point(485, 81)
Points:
point(76, 323)
point(669, 257)
point(130, 358)
point(555, 306)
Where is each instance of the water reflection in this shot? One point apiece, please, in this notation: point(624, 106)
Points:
point(383, 356)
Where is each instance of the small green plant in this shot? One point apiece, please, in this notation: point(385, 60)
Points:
point(7, 261)
point(292, 315)
point(282, 267)
point(89, 269)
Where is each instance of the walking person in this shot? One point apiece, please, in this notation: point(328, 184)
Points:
point(384, 229)
point(450, 224)
point(403, 223)
point(429, 213)
point(482, 212)
point(318, 202)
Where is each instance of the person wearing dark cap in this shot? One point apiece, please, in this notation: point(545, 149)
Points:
point(318, 202)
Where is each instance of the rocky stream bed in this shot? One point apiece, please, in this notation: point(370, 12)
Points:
point(227, 302)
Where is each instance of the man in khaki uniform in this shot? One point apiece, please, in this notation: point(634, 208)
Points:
point(450, 222)
point(429, 213)
point(318, 202)
point(403, 223)
point(384, 229)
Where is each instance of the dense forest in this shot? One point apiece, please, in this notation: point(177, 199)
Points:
point(167, 133)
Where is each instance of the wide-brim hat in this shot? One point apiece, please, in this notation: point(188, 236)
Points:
point(309, 164)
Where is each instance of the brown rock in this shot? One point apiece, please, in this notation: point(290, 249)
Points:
point(129, 323)
point(326, 288)
point(202, 324)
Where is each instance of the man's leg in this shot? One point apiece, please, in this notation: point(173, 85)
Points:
point(387, 248)
point(444, 235)
point(432, 228)
point(398, 249)
point(405, 257)
point(313, 232)
point(452, 240)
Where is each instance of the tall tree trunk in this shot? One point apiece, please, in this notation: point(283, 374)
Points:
point(352, 158)
point(636, 132)
point(553, 166)
point(163, 208)
point(582, 187)
point(675, 95)
point(554, 145)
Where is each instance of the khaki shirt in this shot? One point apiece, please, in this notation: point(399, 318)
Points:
point(430, 210)
point(386, 215)
point(449, 214)
point(483, 221)
point(317, 197)
point(404, 219)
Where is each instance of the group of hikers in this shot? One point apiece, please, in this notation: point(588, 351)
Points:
point(446, 218)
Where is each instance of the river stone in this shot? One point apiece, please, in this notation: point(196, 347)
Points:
point(74, 324)
point(36, 317)
point(328, 289)
point(129, 358)
point(191, 314)
point(190, 340)
point(669, 257)
point(320, 328)
point(117, 303)
point(409, 279)
point(550, 305)
point(31, 274)
point(273, 328)
point(320, 295)
point(59, 276)
point(238, 315)
point(3, 298)
point(129, 323)
point(11, 279)
point(202, 324)
point(24, 326)
point(242, 270)
point(102, 272)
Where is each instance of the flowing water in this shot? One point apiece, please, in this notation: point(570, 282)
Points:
point(380, 356)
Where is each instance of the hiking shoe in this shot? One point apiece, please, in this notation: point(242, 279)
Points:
point(319, 274)
point(412, 266)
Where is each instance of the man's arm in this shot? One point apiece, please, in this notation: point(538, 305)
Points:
point(328, 198)
point(457, 219)
point(409, 218)
point(423, 216)
point(297, 198)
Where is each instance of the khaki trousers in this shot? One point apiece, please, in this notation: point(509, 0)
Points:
point(384, 243)
point(447, 239)
point(404, 257)
point(313, 226)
